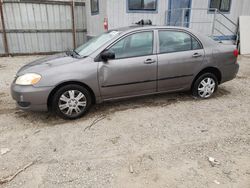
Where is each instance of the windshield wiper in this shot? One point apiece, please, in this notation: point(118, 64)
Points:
point(78, 55)
point(72, 53)
point(76, 52)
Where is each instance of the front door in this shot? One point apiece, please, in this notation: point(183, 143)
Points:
point(134, 69)
point(179, 13)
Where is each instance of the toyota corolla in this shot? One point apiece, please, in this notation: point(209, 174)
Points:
point(122, 63)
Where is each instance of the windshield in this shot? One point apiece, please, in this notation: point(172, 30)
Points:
point(92, 45)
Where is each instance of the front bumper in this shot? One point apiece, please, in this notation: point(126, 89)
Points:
point(30, 97)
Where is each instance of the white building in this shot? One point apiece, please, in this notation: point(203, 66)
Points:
point(201, 15)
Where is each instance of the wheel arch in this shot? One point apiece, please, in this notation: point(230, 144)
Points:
point(212, 70)
point(52, 93)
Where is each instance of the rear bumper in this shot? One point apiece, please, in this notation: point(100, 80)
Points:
point(229, 72)
point(30, 97)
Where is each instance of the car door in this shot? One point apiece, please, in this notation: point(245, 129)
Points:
point(180, 55)
point(134, 69)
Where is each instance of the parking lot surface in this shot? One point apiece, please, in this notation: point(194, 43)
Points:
point(155, 141)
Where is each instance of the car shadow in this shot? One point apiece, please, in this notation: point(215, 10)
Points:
point(222, 91)
point(108, 108)
point(157, 100)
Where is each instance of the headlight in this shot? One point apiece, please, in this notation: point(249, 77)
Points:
point(28, 79)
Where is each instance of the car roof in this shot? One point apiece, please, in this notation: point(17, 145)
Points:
point(145, 27)
point(205, 40)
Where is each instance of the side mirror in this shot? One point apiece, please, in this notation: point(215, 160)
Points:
point(106, 55)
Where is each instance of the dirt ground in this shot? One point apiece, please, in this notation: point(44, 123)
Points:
point(156, 141)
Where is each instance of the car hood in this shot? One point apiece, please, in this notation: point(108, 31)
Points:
point(46, 62)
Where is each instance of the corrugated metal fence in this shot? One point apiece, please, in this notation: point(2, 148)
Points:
point(40, 26)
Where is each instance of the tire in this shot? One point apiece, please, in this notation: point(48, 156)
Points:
point(205, 86)
point(71, 101)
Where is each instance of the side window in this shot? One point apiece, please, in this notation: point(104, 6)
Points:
point(195, 44)
point(94, 5)
point(138, 44)
point(175, 41)
point(172, 41)
point(221, 5)
point(142, 5)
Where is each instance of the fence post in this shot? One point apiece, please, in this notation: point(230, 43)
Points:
point(5, 42)
point(73, 23)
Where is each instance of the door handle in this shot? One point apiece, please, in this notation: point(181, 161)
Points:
point(197, 55)
point(149, 61)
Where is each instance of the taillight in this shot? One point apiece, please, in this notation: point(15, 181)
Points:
point(236, 53)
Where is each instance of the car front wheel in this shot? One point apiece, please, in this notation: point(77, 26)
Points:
point(71, 101)
point(205, 86)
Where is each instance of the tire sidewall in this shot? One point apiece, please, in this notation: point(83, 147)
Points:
point(62, 90)
point(197, 83)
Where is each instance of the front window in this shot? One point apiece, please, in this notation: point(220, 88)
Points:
point(95, 43)
point(94, 6)
point(142, 5)
point(221, 5)
point(138, 44)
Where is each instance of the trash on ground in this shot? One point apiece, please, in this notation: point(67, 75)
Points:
point(131, 170)
point(213, 161)
point(37, 131)
point(4, 150)
point(216, 182)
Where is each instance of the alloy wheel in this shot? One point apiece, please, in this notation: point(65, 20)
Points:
point(206, 87)
point(72, 102)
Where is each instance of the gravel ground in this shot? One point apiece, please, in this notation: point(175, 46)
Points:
point(156, 141)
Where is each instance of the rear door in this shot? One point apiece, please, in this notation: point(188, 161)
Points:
point(180, 55)
point(134, 69)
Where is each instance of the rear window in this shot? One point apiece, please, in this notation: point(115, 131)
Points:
point(176, 41)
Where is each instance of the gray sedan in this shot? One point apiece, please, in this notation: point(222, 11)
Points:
point(126, 62)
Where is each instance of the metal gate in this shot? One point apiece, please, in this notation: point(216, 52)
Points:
point(40, 26)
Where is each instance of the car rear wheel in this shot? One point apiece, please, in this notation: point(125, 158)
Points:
point(71, 101)
point(205, 86)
